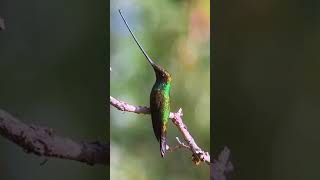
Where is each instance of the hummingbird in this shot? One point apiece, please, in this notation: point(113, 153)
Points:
point(159, 98)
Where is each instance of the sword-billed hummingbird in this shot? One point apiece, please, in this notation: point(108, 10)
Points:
point(159, 98)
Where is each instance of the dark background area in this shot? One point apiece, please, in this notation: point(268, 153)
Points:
point(53, 73)
point(266, 87)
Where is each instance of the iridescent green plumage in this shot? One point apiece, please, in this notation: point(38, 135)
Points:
point(159, 98)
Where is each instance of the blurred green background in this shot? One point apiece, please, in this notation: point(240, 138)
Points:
point(176, 35)
point(266, 79)
point(53, 68)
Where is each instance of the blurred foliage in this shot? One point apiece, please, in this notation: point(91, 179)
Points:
point(266, 59)
point(176, 35)
point(53, 73)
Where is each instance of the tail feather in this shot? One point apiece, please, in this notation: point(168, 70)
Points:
point(163, 143)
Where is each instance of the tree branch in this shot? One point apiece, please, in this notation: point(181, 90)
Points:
point(219, 168)
point(198, 154)
point(43, 141)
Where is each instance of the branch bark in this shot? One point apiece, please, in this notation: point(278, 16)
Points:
point(43, 141)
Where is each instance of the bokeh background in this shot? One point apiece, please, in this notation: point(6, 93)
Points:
point(266, 61)
point(176, 35)
point(53, 73)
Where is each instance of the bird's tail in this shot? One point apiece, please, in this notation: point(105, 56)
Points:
point(163, 142)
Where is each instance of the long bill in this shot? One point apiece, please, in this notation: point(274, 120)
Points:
point(136, 40)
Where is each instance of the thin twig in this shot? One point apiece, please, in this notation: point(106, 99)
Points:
point(180, 145)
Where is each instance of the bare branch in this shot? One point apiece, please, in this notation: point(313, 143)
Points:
point(43, 141)
point(198, 154)
point(123, 106)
